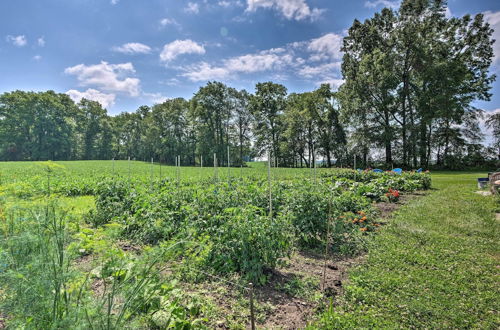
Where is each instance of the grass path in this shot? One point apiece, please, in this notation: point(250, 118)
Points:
point(436, 265)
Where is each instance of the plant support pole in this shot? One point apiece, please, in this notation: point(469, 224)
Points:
point(151, 180)
point(269, 184)
point(252, 313)
point(215, 167)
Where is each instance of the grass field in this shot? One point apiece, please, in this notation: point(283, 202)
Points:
point(85, 254)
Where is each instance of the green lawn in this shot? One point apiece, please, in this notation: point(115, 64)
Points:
point(434, 266)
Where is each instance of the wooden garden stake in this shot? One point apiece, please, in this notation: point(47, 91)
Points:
point(151, 179)
point(129, 169)
point(215, 167)
point(252, 313)
point(228, 164)
point(269, 183)
point(314, 161)
point(328, 222)
point(178, 169)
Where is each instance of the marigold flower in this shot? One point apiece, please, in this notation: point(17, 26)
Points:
point(363, 229)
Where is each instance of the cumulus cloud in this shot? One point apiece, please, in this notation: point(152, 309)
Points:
point(18, 41)
point(41, 41)
point(308, 71)
point(290, 9)
point(106, 100)
point(114, 2)
point(192, 8)
point(109, 77)
point(179, 47)
point(227, 4)
point(168, 21)
point(382, 3)
point(322, 62)
point(155, 98)
point(258, 62)
point(133, 48)
point(493, 18)
point(326, 47)
point(269, 60)
point(204, 72)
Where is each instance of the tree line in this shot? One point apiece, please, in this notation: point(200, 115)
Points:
point(411, 78)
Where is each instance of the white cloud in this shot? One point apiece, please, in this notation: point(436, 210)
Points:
point(41, 41)
point(37, 58)
point(109, 77)
point(268, 60)
point(382, 3)
point(263, 61)
point(114, 2)
point(192, 8)
point(290, 9)
point(155, 98)
point(178, 47)
point(319, 70)
point(133, 48)
point(106, 100)
point(326, 47)
point(494, 19)
point(224, 4)
point(322, 63)
point(227, 4)
point(169, 21)
point(204, 72)
point(19, 41)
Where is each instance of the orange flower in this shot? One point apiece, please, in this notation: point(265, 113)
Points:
point(363, 218)
point(376, 224)
point(363, 229)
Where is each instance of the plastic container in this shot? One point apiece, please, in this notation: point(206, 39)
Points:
point(482, 183)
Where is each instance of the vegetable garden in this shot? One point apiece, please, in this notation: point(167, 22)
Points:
point(105, 244)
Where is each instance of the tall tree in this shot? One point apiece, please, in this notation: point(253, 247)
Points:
point(267, 106)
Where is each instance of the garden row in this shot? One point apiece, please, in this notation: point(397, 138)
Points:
point(237, 229)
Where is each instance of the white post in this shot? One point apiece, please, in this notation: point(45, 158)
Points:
point(215, 167)
point(178, 167)
point(129, 168)
point(151, 180)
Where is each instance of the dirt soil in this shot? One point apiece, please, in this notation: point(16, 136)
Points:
point(293, 312)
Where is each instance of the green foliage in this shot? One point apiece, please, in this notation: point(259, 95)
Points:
point(249, 242)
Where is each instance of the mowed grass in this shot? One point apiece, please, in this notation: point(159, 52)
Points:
point(435, 265)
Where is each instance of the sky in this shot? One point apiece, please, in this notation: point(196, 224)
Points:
point(127, 53)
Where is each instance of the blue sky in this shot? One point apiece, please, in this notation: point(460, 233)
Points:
point(126, 53)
